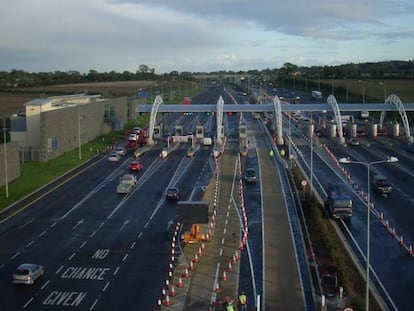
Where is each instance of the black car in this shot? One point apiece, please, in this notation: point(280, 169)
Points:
point(172, 193)
point(250, 175)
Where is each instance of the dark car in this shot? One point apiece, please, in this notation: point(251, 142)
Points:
point(381, 185)
point(250, 175)
point(172, 193)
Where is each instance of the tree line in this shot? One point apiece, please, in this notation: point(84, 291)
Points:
point(374, 70)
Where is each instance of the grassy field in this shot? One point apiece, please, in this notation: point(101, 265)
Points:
point(375, 90)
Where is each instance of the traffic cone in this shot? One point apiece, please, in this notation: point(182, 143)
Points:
point(173, 292)
point(217, 290)
point(191, 267)
point(224, 278)
point(196, 259)
point(180, 282)
point(410, 250)
point(401, 240)
point(186, 273)
point(167, 300)
point(229, 268)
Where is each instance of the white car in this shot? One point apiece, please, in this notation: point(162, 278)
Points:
point(27, 273)
point(133, 136)
point(121, 151)
point(114, 157)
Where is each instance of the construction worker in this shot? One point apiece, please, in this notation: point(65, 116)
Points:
point(243, 301)
point(229, 304)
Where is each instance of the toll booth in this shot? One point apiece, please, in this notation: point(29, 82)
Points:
point(178, 130)
point(199, 131)
point(157, 132)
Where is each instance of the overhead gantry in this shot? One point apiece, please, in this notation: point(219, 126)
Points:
point(393, 103)
point(394, 99)
point(153, 119)
point(219, 120)
point(331, 101)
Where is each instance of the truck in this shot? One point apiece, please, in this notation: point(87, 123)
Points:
point(317, 95)
point(338, 202)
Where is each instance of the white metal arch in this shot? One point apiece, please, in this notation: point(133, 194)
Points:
point(394, 99)
point(278, 119)
point(219, 119)
point(331, 101)
point(153, 118)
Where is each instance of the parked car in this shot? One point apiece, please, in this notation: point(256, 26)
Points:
point(250, 175)
point(27, 273)
point(136, 166)
point(121, 151)
point(114, 157)
point(172, 193)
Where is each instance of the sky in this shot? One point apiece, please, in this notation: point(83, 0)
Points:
point(200, 35)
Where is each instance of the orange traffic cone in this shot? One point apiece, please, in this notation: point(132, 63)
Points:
point(180, 282)
point(167, 300)
point(217, 290)
point(191, 267)
point(224, 278)
point(173, 292)
point(229, 268)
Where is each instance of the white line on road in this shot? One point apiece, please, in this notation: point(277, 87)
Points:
point(43, 233)
point(133, 245)
point(83, 244)
point(125, 257)
point(27, 303)
point(71, 256)
point(30, 243)
point(44, 285)
point(94, 304)
point(58, 270)
point(15, 255)
point(116, 270)
point(106, 286)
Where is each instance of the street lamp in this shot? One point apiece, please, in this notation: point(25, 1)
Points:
point(368, 166)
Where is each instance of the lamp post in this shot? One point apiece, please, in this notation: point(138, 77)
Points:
point(368, 166)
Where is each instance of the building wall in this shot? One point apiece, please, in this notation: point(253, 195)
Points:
point(13, 164)
point(61, 130)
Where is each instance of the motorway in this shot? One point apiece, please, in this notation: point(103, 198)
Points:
point(103, 251)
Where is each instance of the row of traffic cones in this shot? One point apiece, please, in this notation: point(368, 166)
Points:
point(380, 215)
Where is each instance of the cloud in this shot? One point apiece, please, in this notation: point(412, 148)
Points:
point(198, 35)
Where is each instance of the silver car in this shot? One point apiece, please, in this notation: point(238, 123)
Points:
point(27, 273)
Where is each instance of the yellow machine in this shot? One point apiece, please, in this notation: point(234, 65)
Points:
point(194, 236)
